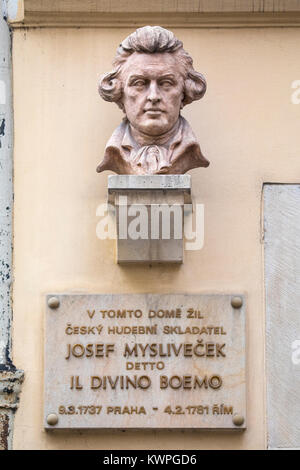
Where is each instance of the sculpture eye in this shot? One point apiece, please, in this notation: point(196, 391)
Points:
point(138, 83)
point(166, 83)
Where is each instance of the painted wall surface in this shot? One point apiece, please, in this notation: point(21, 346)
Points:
point(248, 128)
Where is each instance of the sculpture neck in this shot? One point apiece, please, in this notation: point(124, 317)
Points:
point(145, 139)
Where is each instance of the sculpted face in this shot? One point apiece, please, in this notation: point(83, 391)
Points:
point(152, 91)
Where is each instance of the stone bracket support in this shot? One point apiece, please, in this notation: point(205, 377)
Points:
point(149, 216)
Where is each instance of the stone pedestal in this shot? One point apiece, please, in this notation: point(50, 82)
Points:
point(149, 216)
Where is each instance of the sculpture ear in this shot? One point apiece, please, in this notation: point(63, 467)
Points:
point(183, 97)
point(195, 87)
point(110, 87)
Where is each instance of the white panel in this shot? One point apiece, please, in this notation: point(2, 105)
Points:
point(282, 280)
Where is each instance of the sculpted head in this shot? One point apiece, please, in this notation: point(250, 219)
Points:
point(153, 78)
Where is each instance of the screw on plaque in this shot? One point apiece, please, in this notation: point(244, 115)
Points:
point(236, 302)
point(53, 302)
point(238, 420)
point(52, 419)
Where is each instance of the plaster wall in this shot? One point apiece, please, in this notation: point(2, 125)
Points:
point(247, 127)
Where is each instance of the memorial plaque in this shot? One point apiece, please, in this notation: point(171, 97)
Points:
point(145, 361)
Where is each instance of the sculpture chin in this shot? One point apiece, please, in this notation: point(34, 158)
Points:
point(154, 125)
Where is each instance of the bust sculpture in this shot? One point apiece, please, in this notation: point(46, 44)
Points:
point(152, 80)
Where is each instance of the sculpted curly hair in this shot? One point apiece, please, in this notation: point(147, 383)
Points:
point(151, 39)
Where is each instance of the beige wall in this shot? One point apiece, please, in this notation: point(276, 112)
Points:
point(247, 127)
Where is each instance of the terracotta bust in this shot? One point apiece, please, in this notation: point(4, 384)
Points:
point(153, 78)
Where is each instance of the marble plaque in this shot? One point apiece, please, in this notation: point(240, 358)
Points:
point(145, 361)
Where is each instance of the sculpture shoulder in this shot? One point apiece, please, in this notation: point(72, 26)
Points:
point(117, 135)
point(113, 159)
point(187, 154)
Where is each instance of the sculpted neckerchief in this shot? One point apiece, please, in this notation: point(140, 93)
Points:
point(151, 157)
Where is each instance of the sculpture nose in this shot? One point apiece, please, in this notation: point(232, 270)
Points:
point(153, 93)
